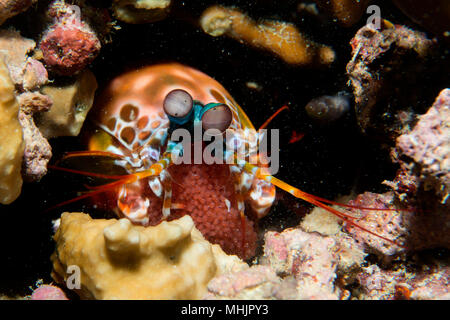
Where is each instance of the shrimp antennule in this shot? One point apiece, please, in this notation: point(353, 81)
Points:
point(317, 201)
point(87, 173)
point(266, 123)
point(91, 153)
point(101, 189)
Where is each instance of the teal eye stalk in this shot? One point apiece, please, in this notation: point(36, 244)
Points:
point(182, 109)
point(216, 116)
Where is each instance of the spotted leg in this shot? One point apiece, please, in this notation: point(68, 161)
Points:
point(242, 184)
point(167, 202)
point(162, 185)
point(162, 190)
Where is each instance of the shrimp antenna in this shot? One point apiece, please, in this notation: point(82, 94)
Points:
point(317, 201)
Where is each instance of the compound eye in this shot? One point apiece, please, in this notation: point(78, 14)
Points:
point(218, 117)
point(178, 103)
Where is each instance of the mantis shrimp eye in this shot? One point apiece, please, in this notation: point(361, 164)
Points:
point(218, 117)
point(178, 103)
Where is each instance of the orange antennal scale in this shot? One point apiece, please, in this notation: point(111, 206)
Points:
point(104, 188)
point(155, 169)
point(266, 123)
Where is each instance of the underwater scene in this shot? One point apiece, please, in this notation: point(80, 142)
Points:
point(204, 150)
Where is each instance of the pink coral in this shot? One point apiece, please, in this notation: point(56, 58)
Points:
point(48, 292)
point(431, 283)
point(26, 72)
point(257, 282)
point(69, 44)
point(311, 258)
point(428, 145)
point(295, 265)
point(389, 224)
point(415, 228)
point(35, 74)
point(37, 151)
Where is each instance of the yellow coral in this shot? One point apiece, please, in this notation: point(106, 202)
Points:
point(280, 38)
point(11, 141)
point(71, 103)
point(140, 11)
point(120, 261)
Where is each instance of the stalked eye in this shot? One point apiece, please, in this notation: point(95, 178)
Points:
point(178, 103)
point(218, 117)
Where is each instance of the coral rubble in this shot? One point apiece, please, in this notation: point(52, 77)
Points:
point(390, 224)
point(120, 261)
point(431, 284)
point(35, 75)
point(310, 258)
point(28, 75)
point(377, 57)
point(281, 38)
point(141, 11)
point(428, 146)
point(414, 229)
point(14, 49)
point(251, 283)
point(37, 151)
point(295, 265)
point(351, 254)
point(69, 44)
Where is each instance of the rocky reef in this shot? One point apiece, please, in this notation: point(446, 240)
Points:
point(364, 92)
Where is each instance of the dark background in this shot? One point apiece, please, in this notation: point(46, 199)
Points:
point(330, 160)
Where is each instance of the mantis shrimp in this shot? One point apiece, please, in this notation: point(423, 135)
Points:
point(137, 117)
